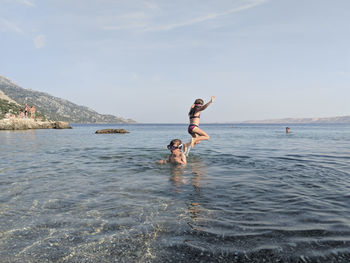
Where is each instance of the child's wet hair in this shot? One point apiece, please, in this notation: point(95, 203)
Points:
point(175, 141)
point(199, 101)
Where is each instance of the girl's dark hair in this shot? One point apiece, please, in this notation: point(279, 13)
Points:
point(197, 104)
point(178, 141)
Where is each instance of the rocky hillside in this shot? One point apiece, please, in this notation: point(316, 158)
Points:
point(7, 106)
point(52, 107)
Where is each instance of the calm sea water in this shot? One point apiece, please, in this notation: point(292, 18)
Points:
point(251, 194)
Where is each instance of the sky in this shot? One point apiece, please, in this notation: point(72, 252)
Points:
point(148, 60)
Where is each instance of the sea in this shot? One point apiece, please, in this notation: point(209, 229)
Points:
point(252, 193)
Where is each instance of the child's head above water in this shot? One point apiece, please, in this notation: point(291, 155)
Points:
point(175, 144)
point(176, 156)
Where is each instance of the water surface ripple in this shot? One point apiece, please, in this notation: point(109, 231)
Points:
point(250, 194)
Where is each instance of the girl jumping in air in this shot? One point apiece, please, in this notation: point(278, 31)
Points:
point(194, 115)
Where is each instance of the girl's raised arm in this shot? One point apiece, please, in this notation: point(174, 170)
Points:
point(206, 105)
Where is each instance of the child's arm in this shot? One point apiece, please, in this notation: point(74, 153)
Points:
point(162, 161)
point(183, 159)
point(206, 105)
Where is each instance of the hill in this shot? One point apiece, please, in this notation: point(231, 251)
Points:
point(339, 119)
point(52, 107)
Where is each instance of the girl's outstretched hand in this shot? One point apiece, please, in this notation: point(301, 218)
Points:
point(212, 98)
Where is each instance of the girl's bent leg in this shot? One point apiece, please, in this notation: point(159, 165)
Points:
point(202, 135)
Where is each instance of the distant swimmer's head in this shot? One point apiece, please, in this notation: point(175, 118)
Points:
point(198, 102)
point(287, 130)
point(175, 144)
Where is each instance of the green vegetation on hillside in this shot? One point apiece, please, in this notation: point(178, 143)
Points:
point(9, 107)
point(13, 108)
point(55, 108)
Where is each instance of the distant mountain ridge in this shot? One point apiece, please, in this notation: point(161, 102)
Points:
point(54, 108)
point(339, 119)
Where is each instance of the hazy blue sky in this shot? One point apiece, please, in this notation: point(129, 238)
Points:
point(149, 59)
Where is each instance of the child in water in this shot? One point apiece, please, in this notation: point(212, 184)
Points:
point(176, 156)
point(194, 115)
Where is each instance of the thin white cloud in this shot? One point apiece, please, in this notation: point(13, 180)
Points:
point(124, 27)
point(7, 26)
point(39, 41)
point(340, 73)
point(151, 4)
point(134, 15)
point(26, 2)
point(205, 18)
point(134, 76)
point(141, 20)
point(134, 20)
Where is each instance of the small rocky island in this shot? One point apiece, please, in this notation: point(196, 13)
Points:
point(104, 131)
point(25, 124)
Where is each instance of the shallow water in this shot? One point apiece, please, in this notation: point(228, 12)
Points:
point(250, 194)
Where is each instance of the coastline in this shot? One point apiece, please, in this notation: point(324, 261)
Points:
point(26, 124)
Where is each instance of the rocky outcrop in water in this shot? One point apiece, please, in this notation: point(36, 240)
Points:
point(111, 131)
point(25, 124)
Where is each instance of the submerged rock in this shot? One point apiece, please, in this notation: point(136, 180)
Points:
point(25, 124)
point(111, 131)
